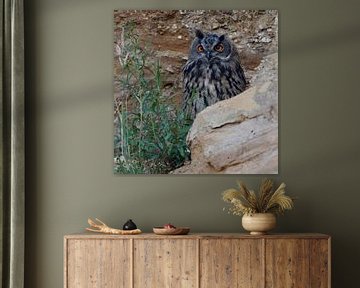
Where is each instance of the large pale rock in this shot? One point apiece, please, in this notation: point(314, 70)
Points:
point(239, 135)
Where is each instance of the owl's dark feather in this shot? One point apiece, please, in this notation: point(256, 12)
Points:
point(210, 76)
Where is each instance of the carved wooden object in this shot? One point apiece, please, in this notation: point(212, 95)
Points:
point(100, 227)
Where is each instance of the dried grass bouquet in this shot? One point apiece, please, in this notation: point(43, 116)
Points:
point(246, 202)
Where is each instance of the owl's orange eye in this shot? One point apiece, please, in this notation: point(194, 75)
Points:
point(200, 48)
point(219, 48)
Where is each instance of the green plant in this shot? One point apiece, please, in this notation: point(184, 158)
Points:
point(267, 200)
point(150, 131)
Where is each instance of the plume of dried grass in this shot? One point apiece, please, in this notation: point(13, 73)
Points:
point(245, 201)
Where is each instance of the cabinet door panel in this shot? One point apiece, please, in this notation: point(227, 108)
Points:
point(287, 263)
point(319, 263)
point(98, 264)
point(166, 263)
point(231, 263)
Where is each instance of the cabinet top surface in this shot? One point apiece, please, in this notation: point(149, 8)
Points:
point(87, 235)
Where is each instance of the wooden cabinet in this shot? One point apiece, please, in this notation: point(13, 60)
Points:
point(197, 261)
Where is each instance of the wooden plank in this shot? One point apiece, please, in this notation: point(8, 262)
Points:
point(319, 263)
point(287, 263)
point(198, 263)
point(98, 263)
point(65, 262)
point(165, 263)
point(132, 262)
point(231, 263)
point(263, 252)
point(329, 262)
point(88, 235)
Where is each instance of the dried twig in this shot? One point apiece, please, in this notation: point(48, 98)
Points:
point(101, 227)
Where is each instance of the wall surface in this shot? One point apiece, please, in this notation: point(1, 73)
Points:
point(69, 133)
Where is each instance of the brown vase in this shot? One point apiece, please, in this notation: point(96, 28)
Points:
point(259, 223)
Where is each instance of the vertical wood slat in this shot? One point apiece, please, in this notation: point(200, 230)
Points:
point(198, 263)
point(165, 263)
point(263, 245)
point(231, 263)
point(131, 251)
point(66, 263)
point(329, 263)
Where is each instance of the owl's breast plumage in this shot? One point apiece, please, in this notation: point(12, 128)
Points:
point(207, 82)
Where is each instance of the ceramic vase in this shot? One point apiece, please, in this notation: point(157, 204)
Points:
point(259, 223)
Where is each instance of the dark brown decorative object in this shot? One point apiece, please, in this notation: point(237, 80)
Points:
point(129, 225)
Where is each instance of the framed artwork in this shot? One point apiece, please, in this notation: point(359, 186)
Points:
point(195, 92)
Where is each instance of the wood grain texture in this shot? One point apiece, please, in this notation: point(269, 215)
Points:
point(166, 263)
point(231, 263)
point(88, 235)
point(287, 263)
point(98, 264)
point(319, 263)
point(197, 261)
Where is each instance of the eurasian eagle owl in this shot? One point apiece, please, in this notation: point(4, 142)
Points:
point(212, 72)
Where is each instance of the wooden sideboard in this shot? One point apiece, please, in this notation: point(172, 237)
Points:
point(197, 261)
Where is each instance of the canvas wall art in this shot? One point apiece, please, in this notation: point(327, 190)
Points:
point(195, 92)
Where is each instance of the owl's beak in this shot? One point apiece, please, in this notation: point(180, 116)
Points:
point(208, 54)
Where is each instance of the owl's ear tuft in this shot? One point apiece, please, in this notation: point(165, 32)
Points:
point(222, 37)
point(199, 34)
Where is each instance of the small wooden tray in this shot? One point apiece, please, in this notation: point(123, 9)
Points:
point(171, 231)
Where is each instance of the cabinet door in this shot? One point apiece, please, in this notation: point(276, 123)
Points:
point(320, 263)
point(287, 263)
point(231, 263)
point(297, 263)
point(98, 263)
point(167, 263)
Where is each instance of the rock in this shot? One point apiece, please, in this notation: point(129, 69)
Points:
point(215, 26)
point(239, 135)
point(170, 69)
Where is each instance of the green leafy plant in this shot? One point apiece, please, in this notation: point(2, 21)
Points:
point(267, 200)
point(150, 130)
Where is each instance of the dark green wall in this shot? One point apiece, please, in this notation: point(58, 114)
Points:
point(69, 133)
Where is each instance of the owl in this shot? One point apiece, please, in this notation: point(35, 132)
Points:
point(212, 72)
